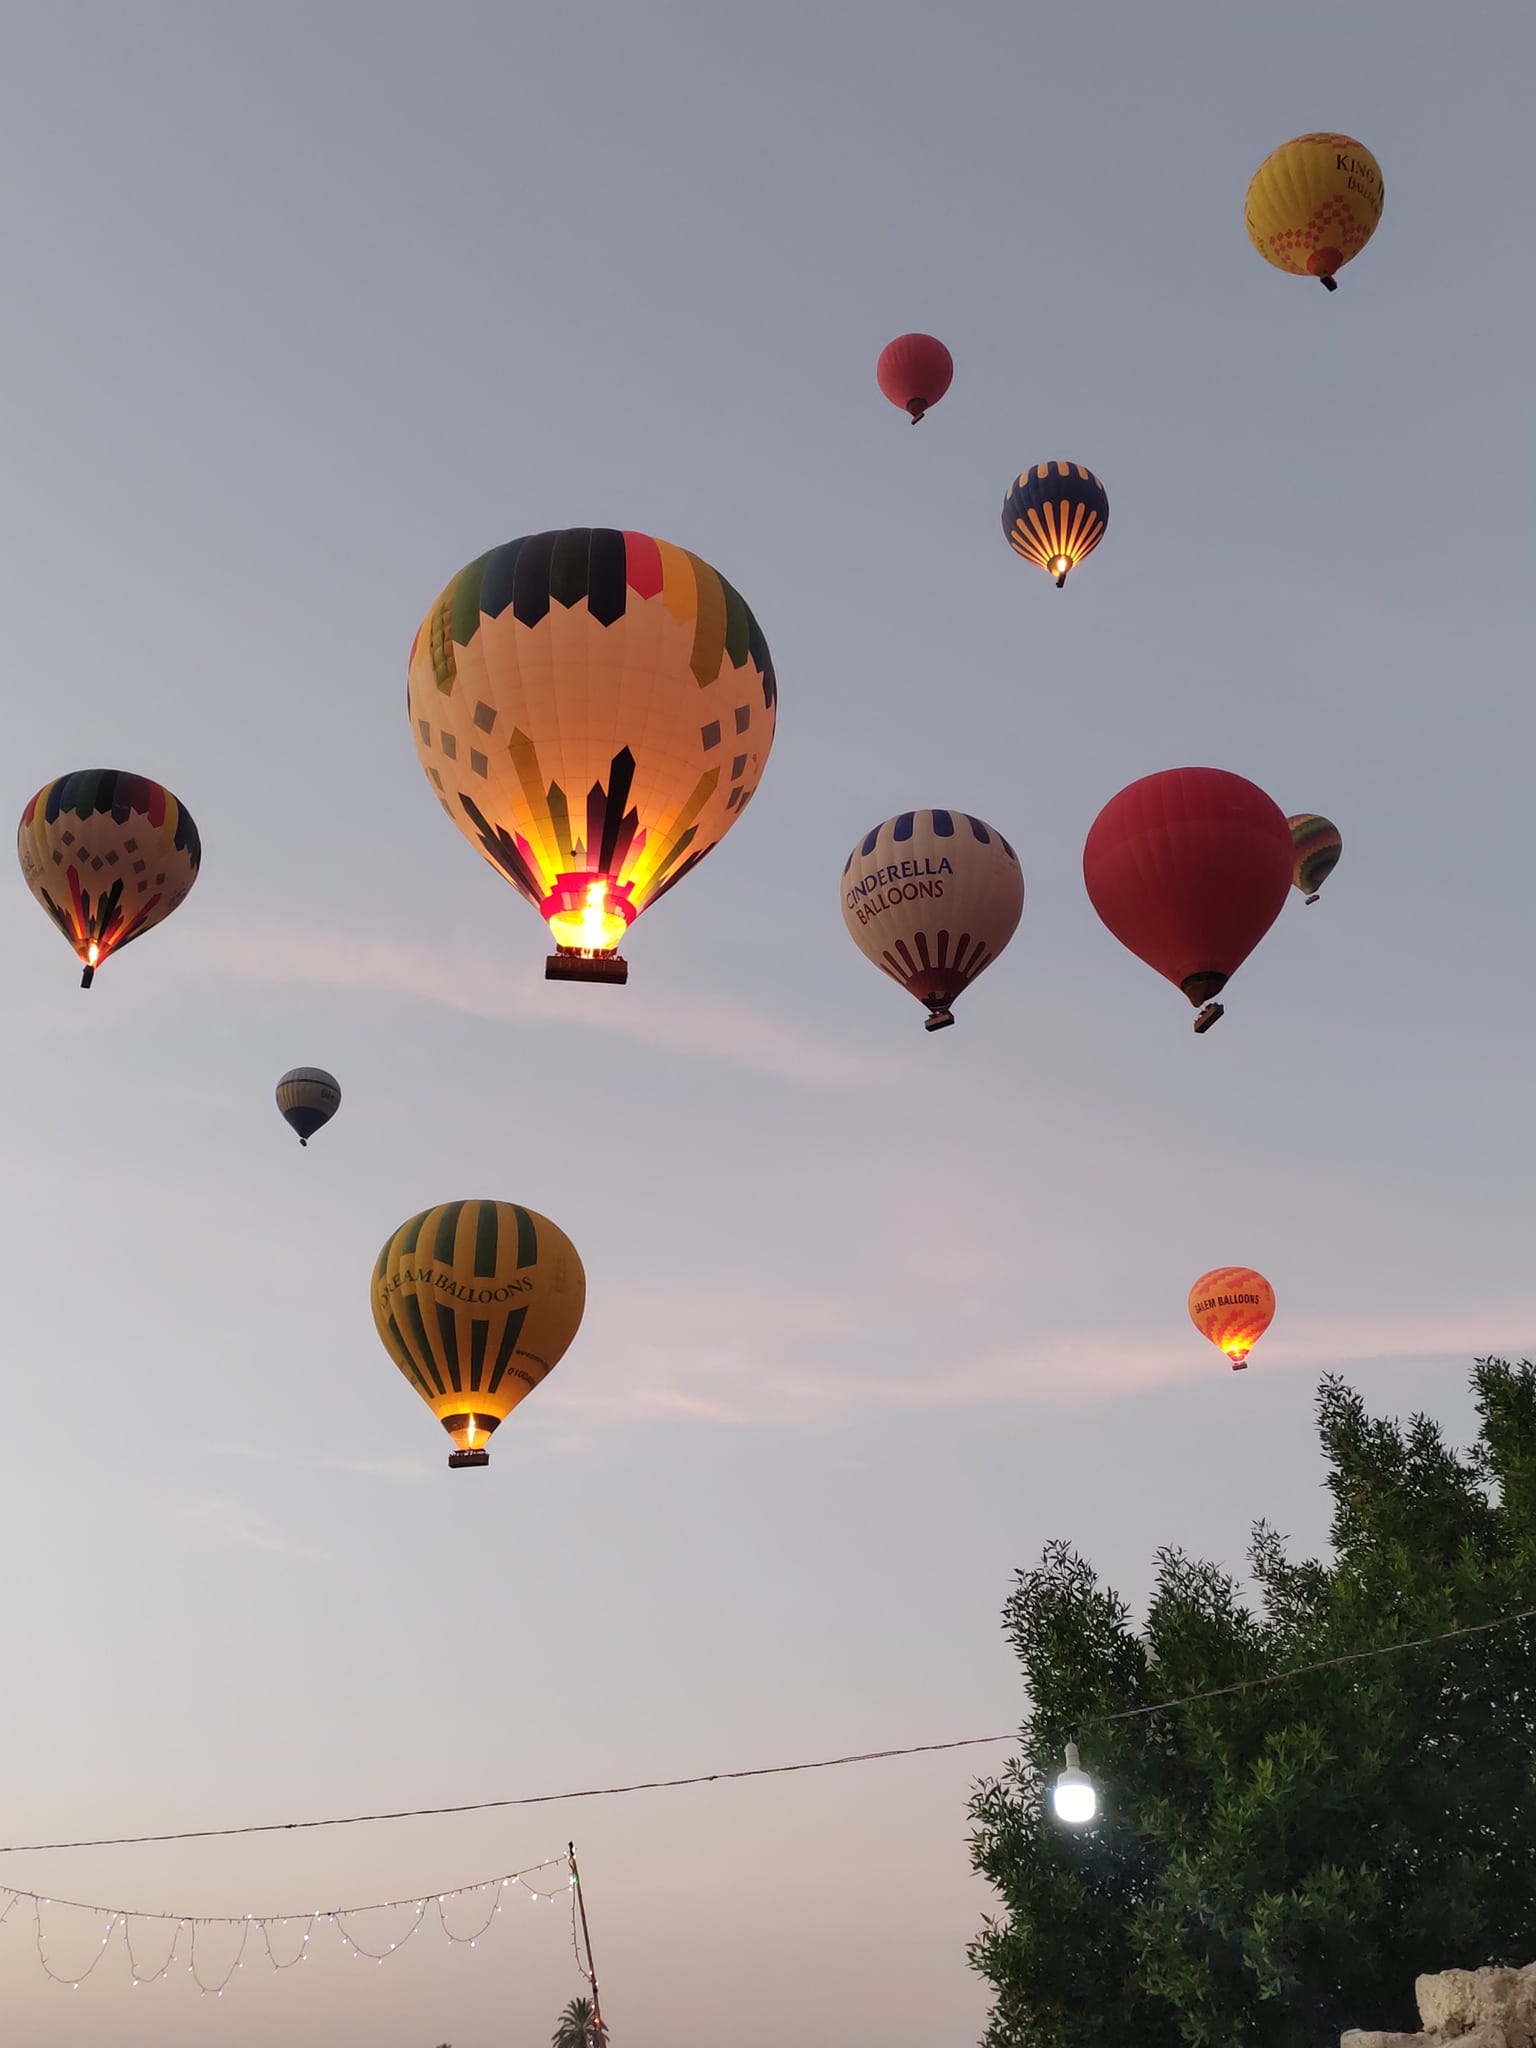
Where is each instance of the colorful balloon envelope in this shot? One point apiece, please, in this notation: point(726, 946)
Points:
point(108, 855)
point(1313, 204)
point(594, 709)
point(477, 1303)
point(932, 898)
point(1055, 515)
point(914, 372)
point(1189, 869)
point(1233, 1306)
point(1317, 845)
point(308, 1097)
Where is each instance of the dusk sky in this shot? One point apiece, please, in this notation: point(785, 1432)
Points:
point(307, 306)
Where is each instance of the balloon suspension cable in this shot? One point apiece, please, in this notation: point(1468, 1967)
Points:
point(87, 977)
point(1329, 284)
point(586, 1942)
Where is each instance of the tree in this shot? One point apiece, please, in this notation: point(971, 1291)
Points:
point(1275, 1865)
point(579, 2027)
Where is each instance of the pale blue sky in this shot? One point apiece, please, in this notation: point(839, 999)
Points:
point(306, 306)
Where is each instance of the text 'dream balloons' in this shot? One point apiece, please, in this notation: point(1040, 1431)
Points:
point(1055, 515)
point(477, 1303)
point(108, 855)
point(594, 710)
point(1317, 845)
point(914, 372)
point(308, 1097)
point(1313, 204)
point(1189, 869)
point(1233, 1306)
point(932, 898)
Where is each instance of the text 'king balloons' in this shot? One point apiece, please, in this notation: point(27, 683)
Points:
point(932, 898)
point(914, 372)
point(594, 709)
point(1313, 204)
point(107, 855)
point(477, 1302)
point(1054, 515)
point(1317, 843)
point(308, 1097)
point(1233, 1306)
point(1189, 869)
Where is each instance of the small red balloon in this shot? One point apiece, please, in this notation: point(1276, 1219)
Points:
point(914, 372)
point(1189, 869)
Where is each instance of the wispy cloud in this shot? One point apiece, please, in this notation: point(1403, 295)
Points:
point(223, 1519)
point(401, 1471)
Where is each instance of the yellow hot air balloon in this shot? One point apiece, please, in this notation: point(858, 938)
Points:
point(594, 709)
point(477, 1303)
point(1313, 204)
point(1233, 1306)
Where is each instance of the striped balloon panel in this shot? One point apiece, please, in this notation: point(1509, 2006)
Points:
point(1318, 844)
point(1233, 1306)
point(476, 1303)
point(1314, 203)
point(108, 855)
point(1056, 509)
point(932, 898)
point(592, 702)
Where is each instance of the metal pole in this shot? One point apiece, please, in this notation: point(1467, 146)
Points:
point(586, 1942)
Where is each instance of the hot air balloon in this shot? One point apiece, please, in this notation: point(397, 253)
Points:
point(477, 1303)
point(308, 1097)
point(594, 709)
point(1233, 1306)
point(932, 898)
point(1055, 515)
point(1317, 846)
point(1189, 869)
point(914, 372)
point(107, 854)
point(1313, 204)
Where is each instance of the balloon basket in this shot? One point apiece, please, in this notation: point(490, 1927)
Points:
point(939, 1021)
point(1329, 284)
point(1313, 897)
point(1208, 1016)
point(578, 966)
point(87, 977)
point(457, 1460)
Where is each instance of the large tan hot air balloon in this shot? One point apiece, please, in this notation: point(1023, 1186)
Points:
point(477, 1302)
point(932, 898)
point(594, 709)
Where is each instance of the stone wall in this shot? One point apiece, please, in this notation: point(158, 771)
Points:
point(1467, 2009)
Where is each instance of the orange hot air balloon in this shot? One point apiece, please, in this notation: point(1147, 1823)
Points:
point(1233, 1306)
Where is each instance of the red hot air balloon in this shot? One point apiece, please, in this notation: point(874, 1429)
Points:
point(1189, 869)
point(914, 372)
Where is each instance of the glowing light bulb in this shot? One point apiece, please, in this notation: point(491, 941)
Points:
point(1074, 1796)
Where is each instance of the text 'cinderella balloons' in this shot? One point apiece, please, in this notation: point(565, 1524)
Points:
point(108, 855)
point(307, 1098)
point(1317, 843)
point(1189, 869)
point(594, 709)
point(1055, 515)
point(1233, 1306)
point(914, 372)
point(1313, 204)
point(932, 898)
point(477, 1302)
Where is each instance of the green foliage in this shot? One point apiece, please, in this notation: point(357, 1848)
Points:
point(1275, 1865)
point(579, 2027)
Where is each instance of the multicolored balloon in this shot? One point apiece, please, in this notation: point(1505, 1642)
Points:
point(594, 709)
point(477, 1303)
point(308, 1097)
point(108, 855)
point(932, 898)
point(1233, 1306)
point(1055, 515)
point(1189, 869)
point(1318, 844)
point(914, 372)
point(1313, 204)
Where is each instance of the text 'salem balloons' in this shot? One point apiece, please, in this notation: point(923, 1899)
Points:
point(308, 1097)
point(1317, 845)
point(107, 854)
point(1189, 869)
point(1055, 515)
point(915, 372)
point(1233, 1306)
point(594, 709)
point(1313, 204)
point(932, 898)
point(477, 1303)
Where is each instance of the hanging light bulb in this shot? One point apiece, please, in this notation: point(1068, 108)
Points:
point(1074, 1796)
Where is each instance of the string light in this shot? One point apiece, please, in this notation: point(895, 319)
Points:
point(1074, 1796)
